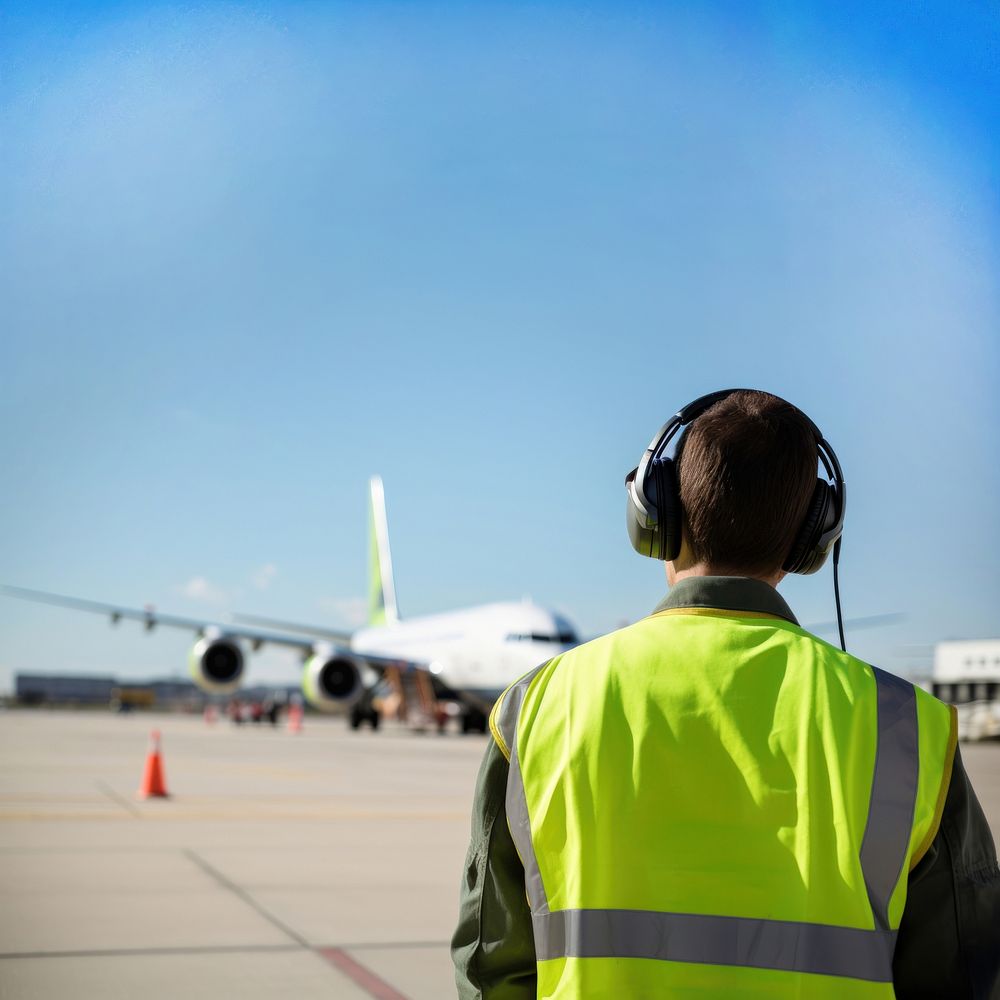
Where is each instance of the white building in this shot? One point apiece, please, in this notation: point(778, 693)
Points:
point(967, 675)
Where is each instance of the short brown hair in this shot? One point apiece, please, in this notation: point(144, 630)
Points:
point(747, 472)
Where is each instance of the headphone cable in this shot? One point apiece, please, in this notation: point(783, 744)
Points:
point(836, 592)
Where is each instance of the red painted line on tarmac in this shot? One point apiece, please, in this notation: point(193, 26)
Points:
point(359, 975)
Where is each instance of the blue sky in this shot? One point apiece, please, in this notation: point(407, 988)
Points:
point(252, 254)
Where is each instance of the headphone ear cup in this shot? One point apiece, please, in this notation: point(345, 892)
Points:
point(804, 556)
point(668, 508)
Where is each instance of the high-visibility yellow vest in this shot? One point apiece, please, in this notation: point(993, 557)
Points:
point(718, 804)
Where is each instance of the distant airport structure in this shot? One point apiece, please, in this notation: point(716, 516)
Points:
point(967, 675)
point(80, 690)
point(41, 689)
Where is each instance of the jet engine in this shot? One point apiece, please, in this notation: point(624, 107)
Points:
point(331, 679)
point(217, 664)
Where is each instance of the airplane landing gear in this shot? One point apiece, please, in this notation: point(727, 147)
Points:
point(362, 712)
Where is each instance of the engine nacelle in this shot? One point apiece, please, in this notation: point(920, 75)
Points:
point(331, 679)
point(217, 664)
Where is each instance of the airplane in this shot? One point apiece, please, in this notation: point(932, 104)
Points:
point(466, 657)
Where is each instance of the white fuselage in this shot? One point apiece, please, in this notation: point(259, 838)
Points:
point(476, 652)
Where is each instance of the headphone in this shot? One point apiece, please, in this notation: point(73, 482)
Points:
point(653, 505)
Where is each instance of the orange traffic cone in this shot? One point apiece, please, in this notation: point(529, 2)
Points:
point(153, 785)
point(295, 714)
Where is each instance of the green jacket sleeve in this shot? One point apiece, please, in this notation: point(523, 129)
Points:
point(493, 948)
point(949, 938)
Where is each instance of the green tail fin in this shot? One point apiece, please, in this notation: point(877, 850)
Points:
point(381, 590)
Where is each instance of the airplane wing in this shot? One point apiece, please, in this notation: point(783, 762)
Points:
point(317, 631)
point(151, 618)
point(257, 638)
point(855, 624)
point(333, 672)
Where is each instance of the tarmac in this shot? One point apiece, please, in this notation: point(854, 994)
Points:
point(320, 864)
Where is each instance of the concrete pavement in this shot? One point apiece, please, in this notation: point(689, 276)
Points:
point(324, 864)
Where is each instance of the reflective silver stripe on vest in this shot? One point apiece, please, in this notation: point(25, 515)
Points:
point(690, 937)
point(792, 946)
point(894, 793)
point(516, 801)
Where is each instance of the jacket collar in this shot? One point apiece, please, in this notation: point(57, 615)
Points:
point(728, 593)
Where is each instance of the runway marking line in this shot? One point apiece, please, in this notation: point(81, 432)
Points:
point(360, 975)
point(211, 949)
point(130, 807)
point(226, 883)
point(222, 949)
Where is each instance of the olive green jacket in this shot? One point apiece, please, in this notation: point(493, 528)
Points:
point(949, 940)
